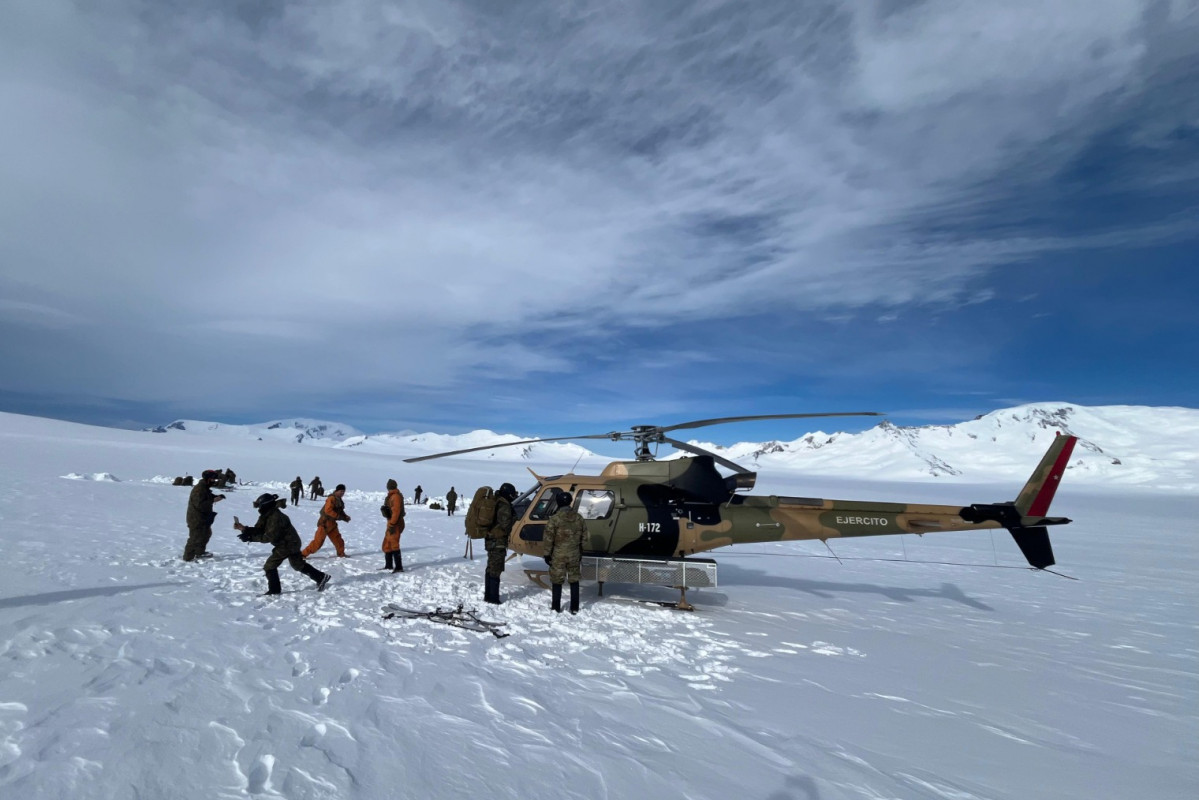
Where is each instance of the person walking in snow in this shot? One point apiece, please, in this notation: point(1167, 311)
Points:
point(200, 516)
point(565, 535)
point(297, 489)
point(333, 512)
point(393, 507)
point(275, 528)
point(451, 502)
point(315, 488)
point(416, 494)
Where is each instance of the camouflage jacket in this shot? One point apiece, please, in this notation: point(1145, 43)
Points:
point(451, 497)
point(565, 536)
point(497, 534)
point(275, 528)
point(199, 505)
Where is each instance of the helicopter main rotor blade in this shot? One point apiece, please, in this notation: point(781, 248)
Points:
point(699, 451)
point(503, 444)
point(700, 423)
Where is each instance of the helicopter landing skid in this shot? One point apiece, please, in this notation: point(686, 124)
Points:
point(537, 576)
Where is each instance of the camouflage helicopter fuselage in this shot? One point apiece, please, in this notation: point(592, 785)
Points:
point(681, 507)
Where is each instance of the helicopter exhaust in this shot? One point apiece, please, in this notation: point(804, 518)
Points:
point(741, 481)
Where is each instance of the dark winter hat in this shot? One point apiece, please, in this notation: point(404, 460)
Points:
point(341, 487)
point(564, 499)
point(265, 500)
point(208, 474)
point(391, 483)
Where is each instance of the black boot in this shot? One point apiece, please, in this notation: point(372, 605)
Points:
point(556, 603)
point(492, 594)
point(574, 598)
point(399, 562)
point(272, 582)
point(389, 564)
point(320, 578)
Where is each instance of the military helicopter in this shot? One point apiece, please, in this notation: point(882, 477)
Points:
point(657, 515)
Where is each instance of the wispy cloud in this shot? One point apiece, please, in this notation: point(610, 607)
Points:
point(442, 194)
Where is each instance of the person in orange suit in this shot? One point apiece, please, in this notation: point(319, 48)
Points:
point(395, 526)
point(333, 512)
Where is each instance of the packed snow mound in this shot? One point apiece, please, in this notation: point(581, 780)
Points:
point(1144, 445)
point(106, 477)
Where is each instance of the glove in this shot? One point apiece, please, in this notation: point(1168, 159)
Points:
point(245, 537)
point(346, 518)
point(547, 560)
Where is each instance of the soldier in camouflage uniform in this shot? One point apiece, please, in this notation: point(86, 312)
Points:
point(275, 528)
point(497, 541)
point(200, 516)
point(297, 488)
point(565, 535)
point(451, 502)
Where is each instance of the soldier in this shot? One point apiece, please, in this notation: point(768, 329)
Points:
point(230, 477)
point(275, 528)
point(200, 516)
point(497, 541)
point(395, 526)
point(565, 535)
point(416, 494)
point(297, 489)
point(314, 486)
point(451, 502)
point(333, 512)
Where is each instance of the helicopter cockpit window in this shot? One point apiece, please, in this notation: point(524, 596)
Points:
point(546, 506)
point(595, 504)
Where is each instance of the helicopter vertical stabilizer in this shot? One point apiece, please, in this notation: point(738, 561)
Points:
point(1038, 493)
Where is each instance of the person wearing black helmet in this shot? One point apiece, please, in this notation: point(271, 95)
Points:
point(200, 516)
point(274, 528)
point(496, 541)
point(565, 536)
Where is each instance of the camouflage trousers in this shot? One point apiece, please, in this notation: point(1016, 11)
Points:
point(197, 541)
point(276, 558)
point(495, 558)
point(564, 569)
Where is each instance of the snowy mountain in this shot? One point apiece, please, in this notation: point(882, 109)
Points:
point(1129, 445)
point(301, 431)
point(1140, 445)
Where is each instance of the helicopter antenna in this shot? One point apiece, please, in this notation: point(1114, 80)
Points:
point(830, 549)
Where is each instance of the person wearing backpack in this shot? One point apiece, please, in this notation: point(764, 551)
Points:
point(497, 541)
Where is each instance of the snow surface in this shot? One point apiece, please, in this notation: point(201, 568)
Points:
point(126, 673)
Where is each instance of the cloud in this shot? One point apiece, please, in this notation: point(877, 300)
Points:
point(424, 193)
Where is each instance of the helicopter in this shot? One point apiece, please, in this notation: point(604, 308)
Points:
point(661, 514)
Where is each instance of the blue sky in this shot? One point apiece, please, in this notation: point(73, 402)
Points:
point(571, 217)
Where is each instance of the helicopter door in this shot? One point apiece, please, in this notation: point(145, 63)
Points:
point(595, 506)
point(546, 506)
